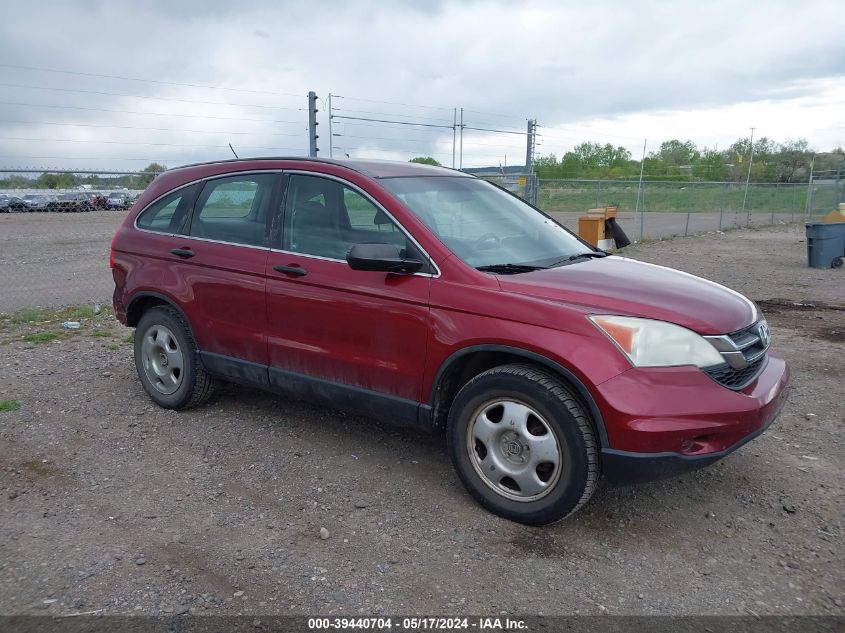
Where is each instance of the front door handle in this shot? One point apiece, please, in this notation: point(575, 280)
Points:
point(182, 252)
point(297, 271)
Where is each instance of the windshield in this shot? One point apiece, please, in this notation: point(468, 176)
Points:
point(484, 225)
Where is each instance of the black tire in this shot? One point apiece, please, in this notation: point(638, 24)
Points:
point(837, 263)
point(195, 386)
point(559, 412)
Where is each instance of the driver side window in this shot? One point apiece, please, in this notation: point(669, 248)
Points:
point(324, 218)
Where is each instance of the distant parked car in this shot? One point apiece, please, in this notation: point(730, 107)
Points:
point(11, 204)
point(71, 203)
point(97, 199)
point(118, 200)
point(36, 202)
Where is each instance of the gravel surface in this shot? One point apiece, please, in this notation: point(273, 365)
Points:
point(58, 259)
point(258, 504)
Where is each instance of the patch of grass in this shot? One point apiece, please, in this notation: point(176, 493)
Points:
point(129, 338)
point(77, 312)
point(9, 405)
point(113, 347)
point(28, 315)
point(38, 466)
point(40, 337)
point(101, 333)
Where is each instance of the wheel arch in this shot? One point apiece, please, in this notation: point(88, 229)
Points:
point(146, 300)
point(470, 361)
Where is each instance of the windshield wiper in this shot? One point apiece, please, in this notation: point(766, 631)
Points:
point(509, 269)
point(572, 258)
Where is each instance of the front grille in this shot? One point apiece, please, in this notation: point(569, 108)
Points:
point(735, 379)
point(744, 353)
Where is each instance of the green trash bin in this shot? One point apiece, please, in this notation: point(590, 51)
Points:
point(825, 244)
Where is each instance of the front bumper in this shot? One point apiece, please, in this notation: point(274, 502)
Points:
point(664, 422)
point(627, 467)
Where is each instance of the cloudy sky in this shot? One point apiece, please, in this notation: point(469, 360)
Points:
point(116, 85)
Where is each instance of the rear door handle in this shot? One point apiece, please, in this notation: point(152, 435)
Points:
point(182, 252)
point(297, 271)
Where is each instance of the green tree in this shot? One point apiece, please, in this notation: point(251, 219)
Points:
point(596, 155)
point(792, 160)
point(425, 160)
point(49, 180)
point(710, 165)
point(677, 153)
point(151, 170)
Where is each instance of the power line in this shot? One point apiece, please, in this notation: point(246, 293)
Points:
point(71, 140)
point(388, 151)
point(153, 129)
point(78, 158)
point(151, 81)
point(117, 94)
point(176, 158)
point(407, 116)
point(482, 129)
point(192, 116)
point(386, 138)
point(552, 130)
point(355, 118)
point(494, 114)
point(408, 105)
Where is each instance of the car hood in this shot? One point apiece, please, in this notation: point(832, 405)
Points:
point(617, 285)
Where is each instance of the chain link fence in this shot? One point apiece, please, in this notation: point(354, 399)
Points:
point(54, 243)
point(658, 210)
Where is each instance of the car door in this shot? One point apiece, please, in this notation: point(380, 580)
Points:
point(222, 257)
point(355, 337)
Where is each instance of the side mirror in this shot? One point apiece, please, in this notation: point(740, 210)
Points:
point(382, 258)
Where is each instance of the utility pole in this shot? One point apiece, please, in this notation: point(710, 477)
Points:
point(331, 136)
point(529, 146)
point(454, 131)
point(312, 125)
point(748, 178)
point(461, 154)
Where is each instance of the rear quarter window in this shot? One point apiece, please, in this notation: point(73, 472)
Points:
point(167, 215)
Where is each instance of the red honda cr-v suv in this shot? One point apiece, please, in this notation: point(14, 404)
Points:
point(430, 298)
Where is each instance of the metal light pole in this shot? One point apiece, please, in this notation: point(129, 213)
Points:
point(809, 205)
point(639, 192)
point(461, 154)
point(748, 179)
point(454, 131)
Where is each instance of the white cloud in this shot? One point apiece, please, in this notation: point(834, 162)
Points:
point(606, 71)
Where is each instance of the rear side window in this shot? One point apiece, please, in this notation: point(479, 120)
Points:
point(168, 214)
point(234, 209)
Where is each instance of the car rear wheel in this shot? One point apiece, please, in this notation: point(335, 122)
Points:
point(523, 445)
point(167, 360)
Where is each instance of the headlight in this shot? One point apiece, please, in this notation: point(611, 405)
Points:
point(649, 343)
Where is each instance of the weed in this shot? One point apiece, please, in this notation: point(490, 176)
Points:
point(9, 405)
point(77, 312)
point(28, 315)
point(40, 337)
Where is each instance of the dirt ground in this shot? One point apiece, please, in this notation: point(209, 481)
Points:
point(109, 504)
point(58, 259)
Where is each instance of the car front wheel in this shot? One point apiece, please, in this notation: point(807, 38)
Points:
point(523, 445)
point(167, 360)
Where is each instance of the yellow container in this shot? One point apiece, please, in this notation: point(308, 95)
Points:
point(836, 216)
